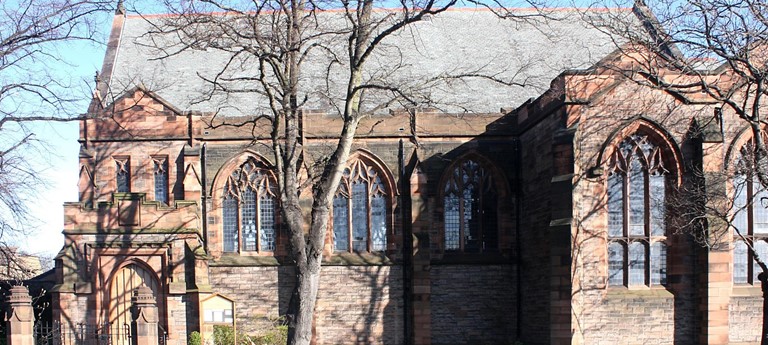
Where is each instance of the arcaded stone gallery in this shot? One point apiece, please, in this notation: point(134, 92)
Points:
point(537, 210)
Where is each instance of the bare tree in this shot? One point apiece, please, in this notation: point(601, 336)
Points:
point(34, 86)
point(710, 52)
point(288, 46)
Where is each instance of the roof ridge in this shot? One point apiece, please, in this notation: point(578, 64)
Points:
point(452, 9)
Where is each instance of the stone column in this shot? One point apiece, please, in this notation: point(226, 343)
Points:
point(20, 319)
point(145, 317)
point(716, 282)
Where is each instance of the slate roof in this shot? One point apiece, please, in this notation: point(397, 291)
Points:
point(463, 41)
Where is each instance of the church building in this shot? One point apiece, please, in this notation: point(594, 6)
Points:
point(537, 210)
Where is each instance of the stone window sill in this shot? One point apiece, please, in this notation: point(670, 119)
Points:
point(638, 292)
point(746, 290)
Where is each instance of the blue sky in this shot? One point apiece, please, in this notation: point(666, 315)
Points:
point(56, 157)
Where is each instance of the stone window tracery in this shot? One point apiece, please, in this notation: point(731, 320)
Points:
point(750, 219)
point(470, 209)
point(636, 187)
point(360, 210)
point(160, 172)
point(249, 209)
point(123, 174)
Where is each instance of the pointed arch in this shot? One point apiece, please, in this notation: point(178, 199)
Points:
point(363, 204)
point(669, 153)
point(749, 213)
point(245, 195)
point(123, 280)
point(471, 188)
point(642, 161)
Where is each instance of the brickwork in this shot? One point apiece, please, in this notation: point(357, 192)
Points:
point(536, 167)
point(468, 306)
point(258, 292)
point(363, 303)
point(360, 304)
point(745, 318)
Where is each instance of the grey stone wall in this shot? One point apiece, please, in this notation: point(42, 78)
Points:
point(746, 319)
point(473, 304)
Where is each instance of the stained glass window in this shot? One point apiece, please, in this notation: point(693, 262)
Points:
point(248, 209)
point(470, 209)
point(360, 210)
point(636, 202)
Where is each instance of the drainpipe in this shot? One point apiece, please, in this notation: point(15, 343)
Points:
point(518, 244)
point(204, 196)
point(405, 212)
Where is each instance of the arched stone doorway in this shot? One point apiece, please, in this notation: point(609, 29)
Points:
point(122, 284)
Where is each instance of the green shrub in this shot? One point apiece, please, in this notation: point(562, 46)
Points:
point(223, 335)
point(194, 338)
point(274, 332)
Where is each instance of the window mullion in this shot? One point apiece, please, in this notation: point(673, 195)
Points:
point(462, 219)
point(480, 216)
point(239, 227)
point(369, 239)
point(257, 221)
point(647, 225)
point(350, 231)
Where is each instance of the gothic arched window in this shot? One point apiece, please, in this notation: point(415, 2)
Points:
point(360, 210)
point(637, 185)
point(249, 209)
point(750, 219)
point(470, 209)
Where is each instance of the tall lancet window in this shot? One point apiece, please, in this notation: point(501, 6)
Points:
point(160, 172)
point(470, 209)
point(360, 210)
point(123, 174)
point(249, 209)
point(750, 219)
point(637, 188)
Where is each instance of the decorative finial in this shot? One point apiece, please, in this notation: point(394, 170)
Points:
point(120, 7)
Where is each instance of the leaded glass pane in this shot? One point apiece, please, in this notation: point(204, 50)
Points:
point(248, 219)
point(359, 217)
point(760, 208)
point(267, 223)
point(658, 263)
point(378, 223)
point(471, 226)
point(636, 264)
point(616, 205)
point(636, 198)
point(615, 264)
point(340, 224)
point(229, 215)
point(657, 204)
point(452, 222)
point(761, 250)
point(740, 201)
point(161, 180)
point(740, 260)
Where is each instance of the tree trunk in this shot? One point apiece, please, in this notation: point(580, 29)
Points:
point(307, 284)
point(763, 277)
